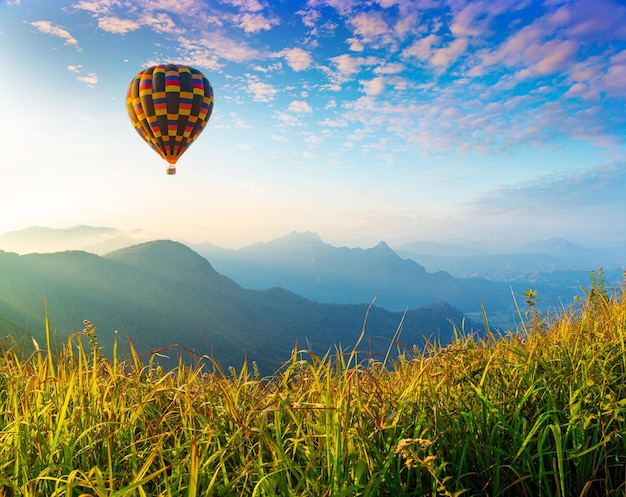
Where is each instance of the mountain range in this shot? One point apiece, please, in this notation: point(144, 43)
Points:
point(524, 263)
point(163, 293)
point(95, 239)
point(305, 265)
point(468, 276)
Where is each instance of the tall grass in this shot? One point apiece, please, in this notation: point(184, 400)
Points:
point(536, 411)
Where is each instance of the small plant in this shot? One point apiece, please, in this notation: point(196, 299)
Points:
point(537, 322)
point(90, 332)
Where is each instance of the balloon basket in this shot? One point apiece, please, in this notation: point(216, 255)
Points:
point(170, 170)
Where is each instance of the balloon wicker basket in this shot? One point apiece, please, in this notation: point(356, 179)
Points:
point(170, 170)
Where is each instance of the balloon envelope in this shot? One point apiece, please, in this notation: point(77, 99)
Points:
point(169, 106)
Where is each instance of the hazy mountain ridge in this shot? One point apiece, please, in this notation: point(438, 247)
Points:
point(95, 239)
point(525, 263)
point(305, 265)
point(467, 276)
point(163, 293)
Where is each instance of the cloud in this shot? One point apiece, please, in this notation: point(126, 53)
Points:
point(246, 5)
point(261, 92)
point(48, 28)
point(355, 45)
point(300, 107)
point(122, 16)
point(117, 25)
point(213, 46)
point(343, 7)
point(287, 119)
point(567, 192)
point(334, 123)
point(589, 202)
point(589, 18)
point(161, 23)
point(422, 48)
point(390, 68)
point(94, 6)
point(373, 87)
point(253, 23)
point(297, 58)
point(238, 122)
point(90, 79)
point(443, 57)
point(612, 82)
point(369, 26)
point(346, 66)
point(547, 58)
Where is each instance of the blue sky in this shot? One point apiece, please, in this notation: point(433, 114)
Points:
point(501, 121)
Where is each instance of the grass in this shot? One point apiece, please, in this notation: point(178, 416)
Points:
point(540, 410)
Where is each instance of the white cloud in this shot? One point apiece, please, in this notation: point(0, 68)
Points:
point(300, 106)
point(369, 26)
point(443, 57)
point(246, 5)
point(613, 81)
point(238, 122)
point(48, 28)
point(422, 48)
point(94, 6)
point(213, 46)
point(390, 68)
point(570, 192)
point(588, 18)
point(117, 25)
point(297, 58)
point(355, 45)
point(253, 23)
point(161, 23)
point(548, 58)
point(90, 79)
point(287, 119)
point(343, 7)
point(334, 123)
point(261, 92)
point(347, 66)
point(374, 86)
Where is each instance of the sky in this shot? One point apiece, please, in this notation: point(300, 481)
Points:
point(501, 121)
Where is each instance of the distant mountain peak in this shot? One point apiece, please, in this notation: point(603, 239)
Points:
point(382, 248)
point(303, 236)
point(553, 246)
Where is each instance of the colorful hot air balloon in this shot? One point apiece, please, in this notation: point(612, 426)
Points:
point(169, 106)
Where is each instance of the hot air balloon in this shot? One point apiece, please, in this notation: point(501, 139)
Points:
point(169, 106)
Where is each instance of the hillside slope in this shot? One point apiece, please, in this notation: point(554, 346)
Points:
point(163, 293)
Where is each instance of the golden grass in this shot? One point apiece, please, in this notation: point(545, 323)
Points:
point(537, 411)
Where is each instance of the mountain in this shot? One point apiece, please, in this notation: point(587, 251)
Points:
point(529, 263)
point(304, 264)
point(163, 293)
point(98, 240)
